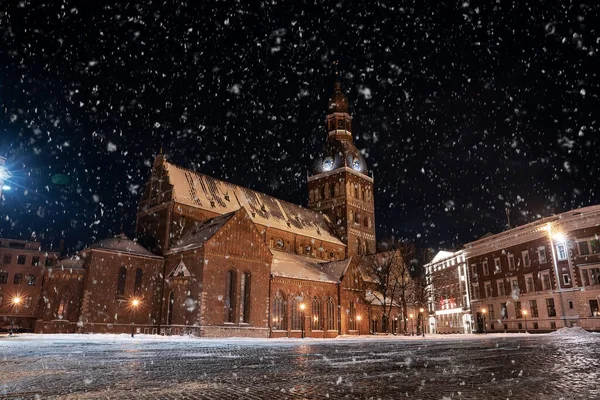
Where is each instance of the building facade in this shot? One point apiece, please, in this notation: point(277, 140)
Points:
point(449, 301)
point(538, 277)
point(217, 259)
point(21, 276)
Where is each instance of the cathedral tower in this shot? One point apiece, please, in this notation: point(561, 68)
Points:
point(339, 186)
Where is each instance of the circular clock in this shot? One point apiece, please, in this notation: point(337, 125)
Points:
point(356, 164)
point(328, 164)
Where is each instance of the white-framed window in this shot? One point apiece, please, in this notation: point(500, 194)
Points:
point(488, 289)
point(542, 255)
point(566, 279)
point(529, 283)
point(561, 251)
point(588, 246)
point(514, 284)
point(486, 269)
point(475, 291)
point(474, 270)
point(590, 276)
point(497, 265)
point(511, 262)
point(526, 260)
point(546, 285)
point(501, 288)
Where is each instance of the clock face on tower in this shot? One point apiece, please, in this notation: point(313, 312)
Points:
point(328, 164)
point(356, 164)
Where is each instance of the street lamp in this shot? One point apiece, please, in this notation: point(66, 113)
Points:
point(15, 302)
point(358, 318)
point(302, 307)
point(412, 331)
point(525, 315)
point(421, 310)
point(134, 305)
point(483, 311)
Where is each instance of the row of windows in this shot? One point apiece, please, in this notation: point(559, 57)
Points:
point(303, 249)
point(525, 260)
point(330, 190)
point(21, 259)
point(18, 278)
point(355, 217)
point(316, 312)
point(231, 297)
point(519, 312)
point(122, 279)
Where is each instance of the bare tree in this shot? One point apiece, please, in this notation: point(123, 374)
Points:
point(383, 271)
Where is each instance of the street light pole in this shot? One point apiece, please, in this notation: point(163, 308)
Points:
point(16, 301)
point(412, 331)
point(134, 303)
point(525, 315)
point(421, 310)
point(358, 318)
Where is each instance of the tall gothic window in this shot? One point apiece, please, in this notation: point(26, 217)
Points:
point(279, 312)
point(121, 281)
point(357, 218)
point(229, 296)
point(245, 298)
point(331, 190)
point(317, 318)
point(366, 222)
point(330, 315)
point(139, 275)
point(352, 317)
point(170, 308)
point(63, 306)
point(356, 191)
point(296, 314)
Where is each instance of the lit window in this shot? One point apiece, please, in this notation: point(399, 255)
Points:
point(561, 252)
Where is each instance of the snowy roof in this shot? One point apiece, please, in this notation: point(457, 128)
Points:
point(442, 255)
point(203, 231)
point(202, 191)
point(291, 265)
point(334, 269)
point(122, 244)
point(376, 298)
point(69, 263)
point(574, 219)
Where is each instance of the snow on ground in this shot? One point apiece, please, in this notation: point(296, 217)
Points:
point(22, 338)
point(574, 331)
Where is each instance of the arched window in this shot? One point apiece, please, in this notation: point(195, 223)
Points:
point(170, 308)
point(245, 298)
point(307, 249)
point(332, 192)
point(356, 191)
point(366, 222)
point(229, 296)
point(137, 287)
point(121, 281)
point(351, 215)
point(63, 306)
point(331, 255)
point(352, 317)
point(279, 312)
point(330, 315)
point(337, 189)
point(322, 190)
point(374, 324)
point(357, 218)
point(279, 243)
point(317, 317)
point(296, 314)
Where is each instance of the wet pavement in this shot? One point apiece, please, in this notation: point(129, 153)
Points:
point(473, 367)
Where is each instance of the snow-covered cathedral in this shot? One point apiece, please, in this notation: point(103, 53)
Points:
point(223, 260)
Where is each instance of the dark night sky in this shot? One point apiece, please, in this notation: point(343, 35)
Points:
point(462, 108)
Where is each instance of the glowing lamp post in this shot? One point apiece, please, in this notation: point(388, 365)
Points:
point(421, 310)
point(483, 311)
point(15, 303)
point(358, 318)
point(525, 315)
point(302, 308)
point(135, 303)
point(412, 331)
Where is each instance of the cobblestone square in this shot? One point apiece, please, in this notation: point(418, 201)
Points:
point(463, 367)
